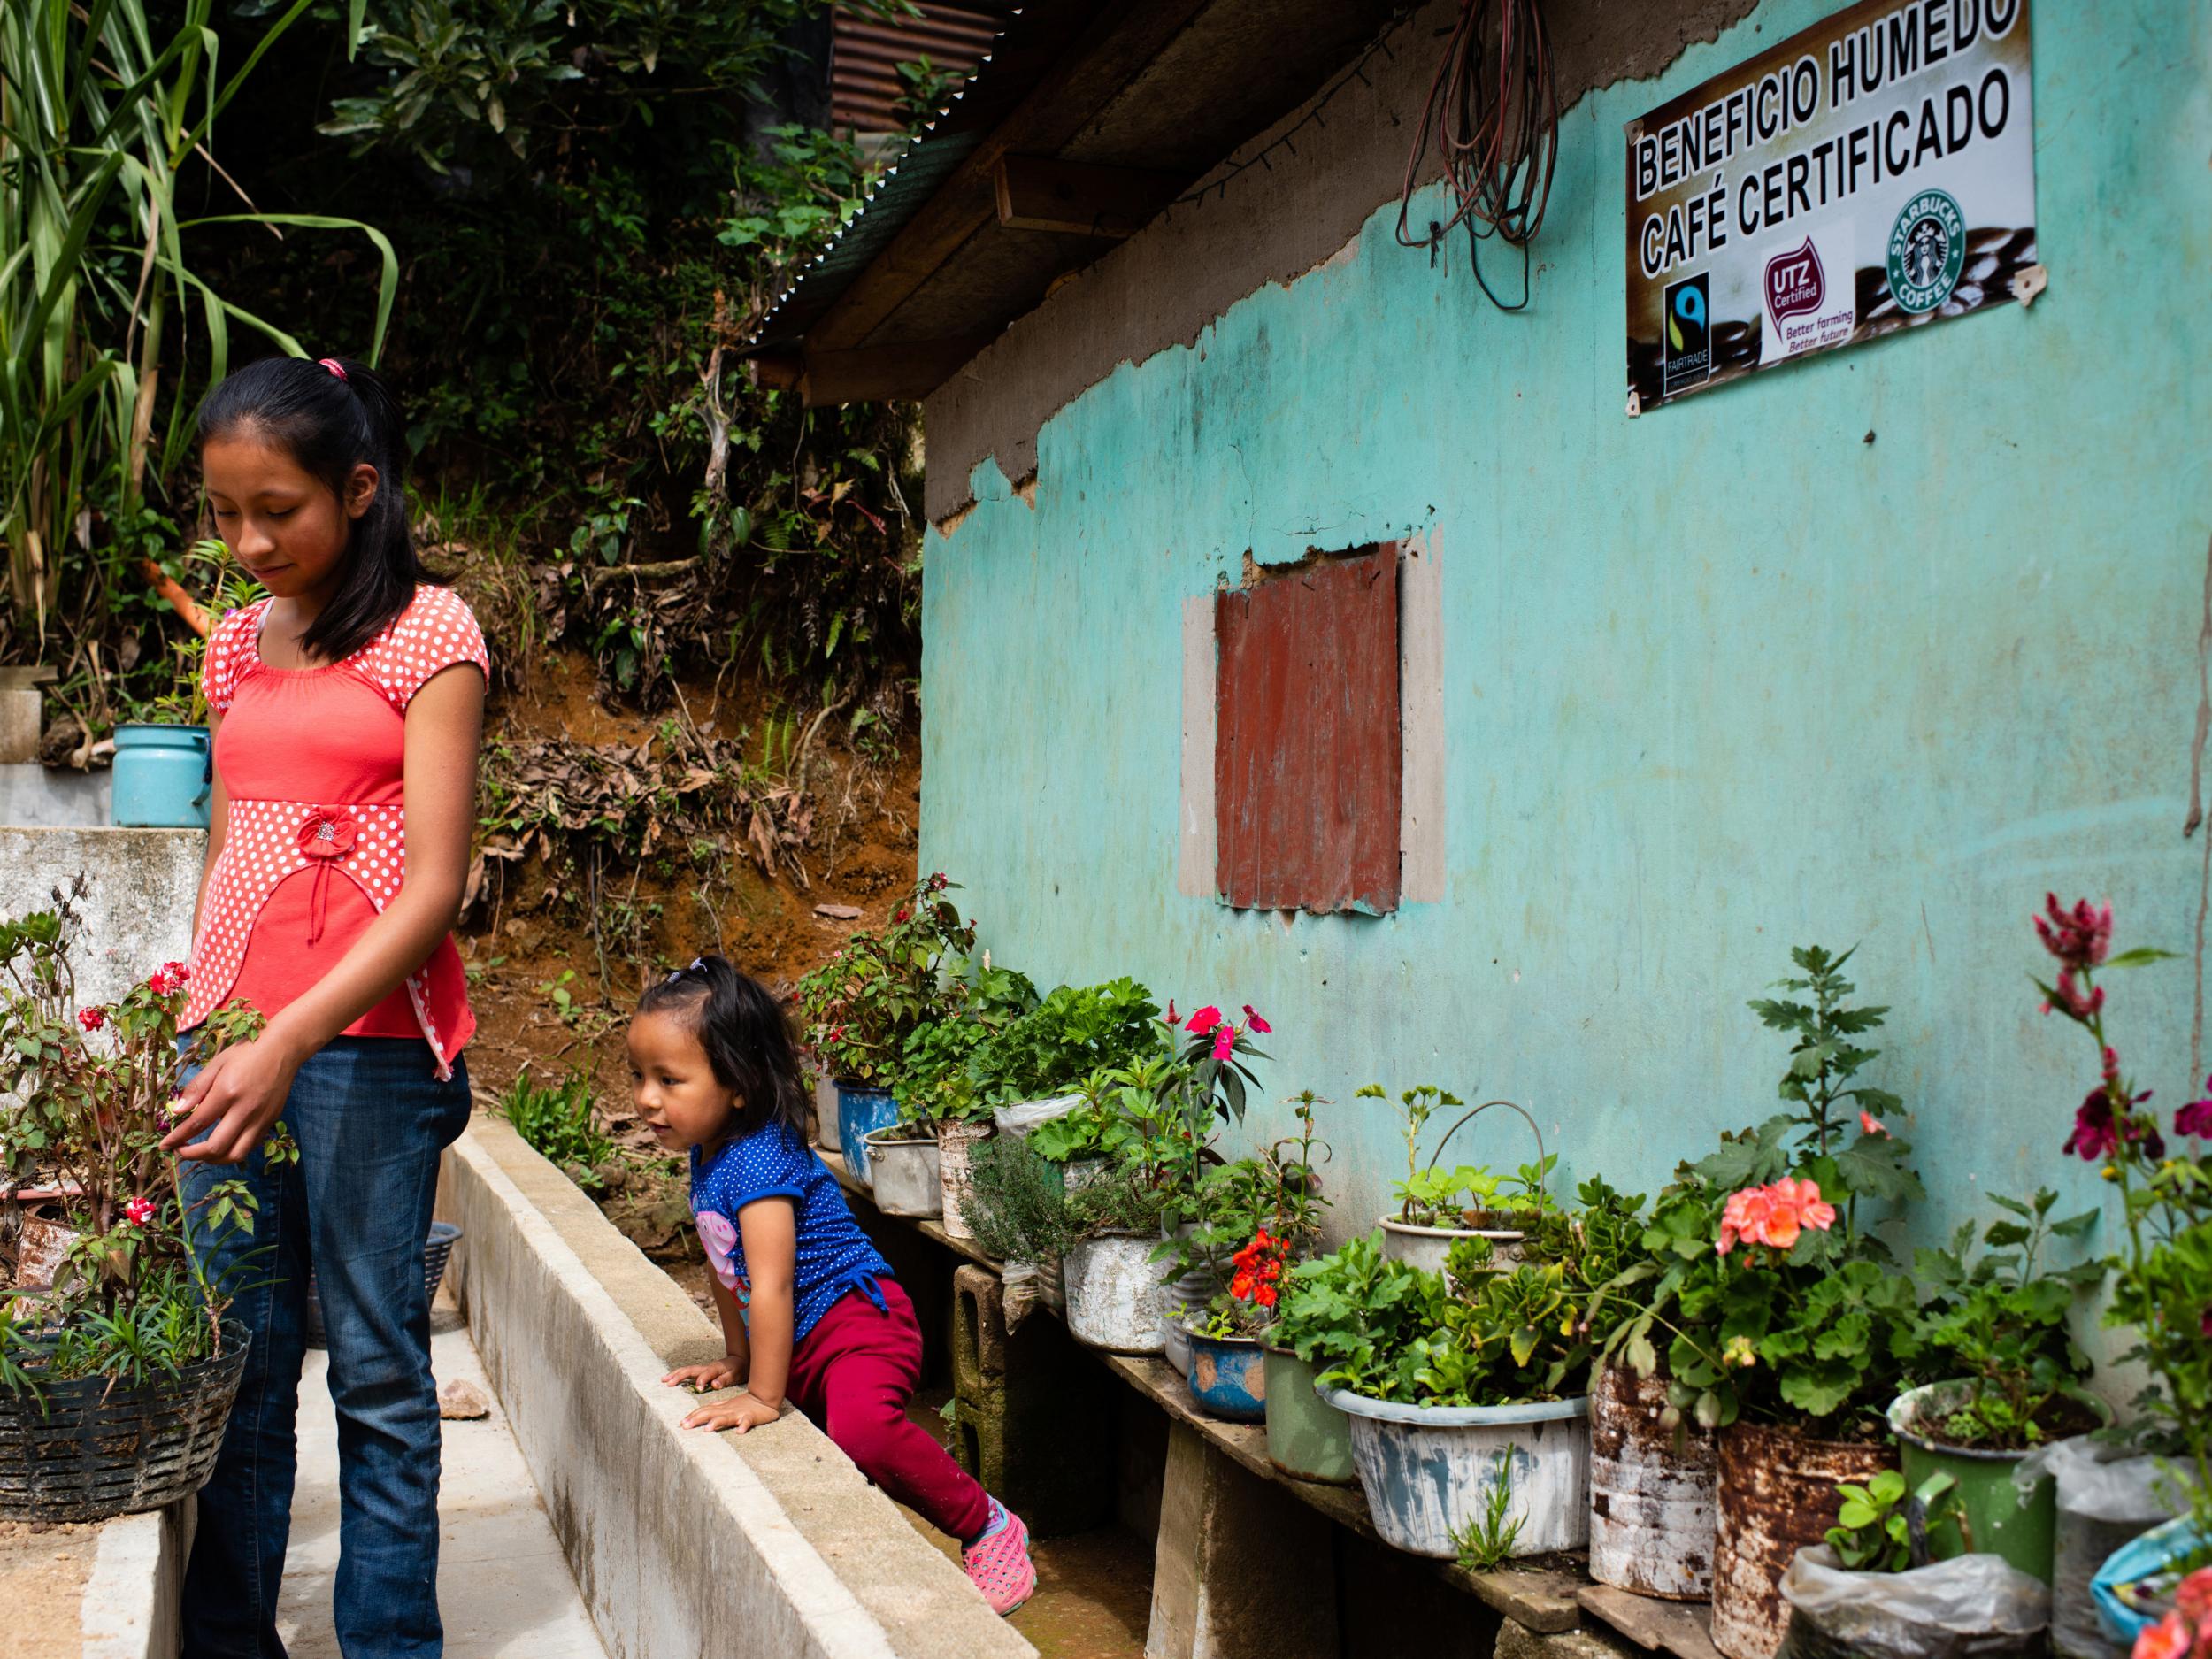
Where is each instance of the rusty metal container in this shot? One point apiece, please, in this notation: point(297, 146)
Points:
point(1651, 1491)
point(1777, 1493)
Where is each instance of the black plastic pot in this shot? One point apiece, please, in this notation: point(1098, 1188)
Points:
point(436, 1246)
point(94, 1448)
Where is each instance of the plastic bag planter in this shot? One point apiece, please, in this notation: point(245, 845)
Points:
point(860, 1113)
point(2133, 1589)
point(2105, 1498)
point(1971, 1607)
point(1112, 1285)
point(1428, 1471)
point(92, 1448)
point(905, 1171)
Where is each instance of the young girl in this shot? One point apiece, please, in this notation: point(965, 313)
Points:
point(346, 709)
point(810, 1312)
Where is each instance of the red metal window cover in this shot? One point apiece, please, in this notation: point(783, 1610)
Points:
point(866, 51)
point(1307, 766)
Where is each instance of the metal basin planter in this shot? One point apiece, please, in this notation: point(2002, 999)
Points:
point(1308, 1439)
point(1228, 1376)
point(860, 1113)
point(95, 1448)
point(1428, 1471)
point(955, 1145)
point(1651, 1491)
point(1112, 1294)
point(1426, 1248)
point(2023, 1533)
point(904, 1172)
point(1776, 1494)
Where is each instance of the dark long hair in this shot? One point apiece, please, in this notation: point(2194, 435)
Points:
point(329, 424)
point(748, 1042)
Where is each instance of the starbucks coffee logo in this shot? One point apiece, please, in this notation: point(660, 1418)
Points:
point(1927, 250)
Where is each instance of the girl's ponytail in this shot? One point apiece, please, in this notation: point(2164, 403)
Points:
point(747, 1038)
point(330, 416)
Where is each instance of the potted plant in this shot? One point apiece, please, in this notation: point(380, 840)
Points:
point(939, 1101)
point(1112, 1283)
point(1876, 1588)
point(1998, 1325)
point(116, 1373)
point(1438, 1209)
point(863, 1003)
point(2161, 1274)
point(1230, 1358)
point(1461, 1400)
point(1792, 1330)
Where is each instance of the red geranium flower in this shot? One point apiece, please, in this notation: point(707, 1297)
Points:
point(92, 1018)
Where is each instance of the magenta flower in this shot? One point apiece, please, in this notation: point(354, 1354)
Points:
point(1205, 1020)
point(1255, 1021)
point(1169, 1018)
point(2095, 1135)
point(177, 971)
point(2195, 1119)
point(1225, 1042)
point(2081, 1005)
point(2080, 937)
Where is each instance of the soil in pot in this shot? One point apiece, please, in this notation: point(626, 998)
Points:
point(1651, 1490)
point(1776, 1494)
point(1308, 1439)
point(1997, 1521)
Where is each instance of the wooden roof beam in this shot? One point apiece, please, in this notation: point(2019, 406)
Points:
point(874, 375)
point(1038, 193)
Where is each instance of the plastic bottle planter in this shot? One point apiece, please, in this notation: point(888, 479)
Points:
point(1776, 1494)
point(905, 1172)
point(1228, 1377)
point(1112, 1294)
point(161, 777)
point(1308, 1439)
point(2002, 1522)
point(955, 1145)
point(860, 1112)
point(1651, 1491)
point(1428, 1471)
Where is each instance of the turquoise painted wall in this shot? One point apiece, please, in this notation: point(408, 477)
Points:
point(1719, 680)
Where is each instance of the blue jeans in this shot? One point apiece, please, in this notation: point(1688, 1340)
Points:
point(370, 1118)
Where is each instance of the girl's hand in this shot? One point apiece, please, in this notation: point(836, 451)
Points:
point(741, 1414)
point(726, 1372)
point(236, 1096)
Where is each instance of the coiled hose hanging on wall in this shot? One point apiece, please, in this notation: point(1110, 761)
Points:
point(1493, 113)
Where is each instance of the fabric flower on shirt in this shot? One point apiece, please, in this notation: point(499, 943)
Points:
point(326, 832)
point(720, 1240)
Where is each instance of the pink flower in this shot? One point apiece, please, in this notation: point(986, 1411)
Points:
point(2081, 937)
point(1254, 1021)
point(2195, 1119)
point(1205, 1020)
point(1870, 1125)
point(2081, 1004)
point(2192, 1597)
point(140, 1210)
point(903, 914)
point(92, 1018)
point(1811, 1211)
point(2168, 1639)
point(937, 882)
point(1773, 1215)
point(1225, 1042)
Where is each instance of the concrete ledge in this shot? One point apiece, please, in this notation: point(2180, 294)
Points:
point(129, 1610)
point(683, 1543)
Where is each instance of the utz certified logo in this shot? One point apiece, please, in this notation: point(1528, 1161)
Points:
point(1795, 283)
point(1927, 250)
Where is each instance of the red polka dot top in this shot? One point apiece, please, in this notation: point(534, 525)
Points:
point(313, 764)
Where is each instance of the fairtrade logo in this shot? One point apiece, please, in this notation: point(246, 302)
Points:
point(1687, 359)
point(1686, 316)
point(1927, 250)
point(1795, 283)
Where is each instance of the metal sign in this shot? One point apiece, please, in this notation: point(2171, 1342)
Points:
point(1874, 173)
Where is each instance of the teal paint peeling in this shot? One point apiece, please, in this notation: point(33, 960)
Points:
point(1719, 680)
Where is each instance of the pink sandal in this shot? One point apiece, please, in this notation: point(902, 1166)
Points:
point(999, 1565)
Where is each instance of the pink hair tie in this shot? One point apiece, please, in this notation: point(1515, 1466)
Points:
point(333, 366)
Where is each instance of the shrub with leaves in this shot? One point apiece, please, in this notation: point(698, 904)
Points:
point(85, 1098)
point(863, 1004)
point(555, 1120)
point(1874, 1528)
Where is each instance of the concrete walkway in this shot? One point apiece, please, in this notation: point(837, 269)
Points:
point(503, 1586)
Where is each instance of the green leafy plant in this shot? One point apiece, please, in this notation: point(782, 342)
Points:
point(2002, 1325)
point(1874, 1528)
point(1016, 1205)
point(934, 1078)
point(863, 1004)
point(1488, 1537)
point(1072, 1032)
point(556, 1119)
point(1825, 1057)
point(1470, 1195)
point(85, 1098)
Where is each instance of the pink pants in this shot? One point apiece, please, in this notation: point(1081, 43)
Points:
point(853, 1375)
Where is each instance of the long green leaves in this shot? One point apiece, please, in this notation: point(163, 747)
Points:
point(97, 121)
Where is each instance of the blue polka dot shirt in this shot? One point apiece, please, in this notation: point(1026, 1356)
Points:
point(833, 1256)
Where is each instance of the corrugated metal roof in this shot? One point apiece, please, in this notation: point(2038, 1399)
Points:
point(866, 51)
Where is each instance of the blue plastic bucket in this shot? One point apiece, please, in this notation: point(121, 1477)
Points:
point(1228, 1377)
point(860, 1113)
point(161, 777)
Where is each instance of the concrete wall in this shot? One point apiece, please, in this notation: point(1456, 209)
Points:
point(1871, 650)
point(684, 1544)
point(144, 883)
point(129, 1610)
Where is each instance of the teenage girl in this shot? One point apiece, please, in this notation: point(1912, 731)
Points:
point(810, 1312)
point(346, 709)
